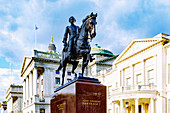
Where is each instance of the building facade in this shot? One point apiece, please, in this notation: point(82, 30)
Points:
point(14, 97)
point(139, 80)
point(40, 79)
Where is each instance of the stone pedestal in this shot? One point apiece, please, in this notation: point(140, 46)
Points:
point(82, 95)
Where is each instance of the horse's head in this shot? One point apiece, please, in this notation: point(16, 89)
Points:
point(92, 25)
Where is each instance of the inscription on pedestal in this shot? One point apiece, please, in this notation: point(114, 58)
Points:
point(80, 97)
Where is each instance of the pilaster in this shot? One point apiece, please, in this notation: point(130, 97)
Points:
point(35, 91)
point(136, 105)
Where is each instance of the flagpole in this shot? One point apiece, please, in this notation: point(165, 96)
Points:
point(36, 36)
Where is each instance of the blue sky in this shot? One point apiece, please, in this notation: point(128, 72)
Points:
point(119, 21)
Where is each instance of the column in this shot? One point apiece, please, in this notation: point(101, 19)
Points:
point(26, 89)
point(113, 103)
point(133, 77)
point(143, 72)
point(35, 81)
point(30, 84)
point(123, 78)
point(52, 79)
point(152, 107)
point(45, 81)
point(122, 109)
point(24, 93)
point(136, 105)
point(143, 108)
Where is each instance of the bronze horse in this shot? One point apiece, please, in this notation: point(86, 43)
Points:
point(81, 48)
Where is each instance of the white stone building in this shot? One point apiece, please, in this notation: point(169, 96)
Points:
point(14, 97)
point(3, 106)
point(40, 79)
point(139, 80)
point(103, 60)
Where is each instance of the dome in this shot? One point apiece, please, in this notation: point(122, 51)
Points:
point(97, 50)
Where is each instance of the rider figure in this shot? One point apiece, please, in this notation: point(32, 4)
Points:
point(72, 30)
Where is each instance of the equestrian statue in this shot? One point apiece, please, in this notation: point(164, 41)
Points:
point(78, 46)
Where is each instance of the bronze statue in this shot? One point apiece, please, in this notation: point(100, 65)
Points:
point(72, 31)
point(81, 47)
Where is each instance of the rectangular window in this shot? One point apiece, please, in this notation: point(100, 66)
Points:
point(41, 81)
point(151, 77)
point(139, 79)
point(57, 72)
point(128, 81)
point(109, 110)
point(42, 93)
point(42, 110)
point(140, 109)
point(68, 80)
point(69, 73)
point(57, 80)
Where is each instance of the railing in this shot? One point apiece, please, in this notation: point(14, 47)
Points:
point(18, 89)
point(36, 98)
point(41, 54)
point(135, 88)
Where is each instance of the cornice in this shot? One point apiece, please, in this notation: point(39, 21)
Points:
point(139, 52)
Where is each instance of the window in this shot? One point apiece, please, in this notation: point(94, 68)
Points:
point(42, 110)
point(37, 85)
point(68, 80)
point(57, 72)
point(80, 74)
point(139, 79)
point(109, 110)
point(41, 81)
point(116, 85)
point(69, 73)
point(128, 81)
point(140, 109)
point(109, 91)
point(151, 77)
point(57, 80)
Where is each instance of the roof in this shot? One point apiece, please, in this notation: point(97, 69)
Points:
point(136, 46)
point(97, 50)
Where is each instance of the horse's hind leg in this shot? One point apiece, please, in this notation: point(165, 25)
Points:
point(63, 74)
point(75, 64)
point(60, 66)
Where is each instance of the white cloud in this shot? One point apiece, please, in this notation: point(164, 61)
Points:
point(117, 30)
point(6, 79)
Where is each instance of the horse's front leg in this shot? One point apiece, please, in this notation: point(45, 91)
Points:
point(75, 64)
point(85, 63)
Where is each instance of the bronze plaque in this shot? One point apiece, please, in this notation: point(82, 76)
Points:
point(80, 96)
